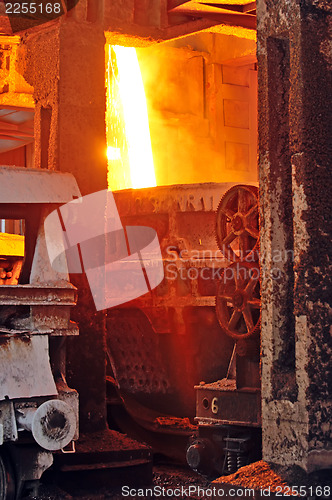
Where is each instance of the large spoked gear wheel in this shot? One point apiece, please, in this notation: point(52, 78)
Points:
point(237, 227)
point(7, 480)
point(238, 300)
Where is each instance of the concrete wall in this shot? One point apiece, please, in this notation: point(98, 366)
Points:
point(294, 162)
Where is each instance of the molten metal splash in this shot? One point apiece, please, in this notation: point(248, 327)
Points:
point(128, 137)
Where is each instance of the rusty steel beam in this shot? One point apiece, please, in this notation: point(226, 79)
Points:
point(9, 138)
point(38, 295)
point(13, 127)
point(15, 135)
point(8, 106)
point(237, 7)
point(222, 16)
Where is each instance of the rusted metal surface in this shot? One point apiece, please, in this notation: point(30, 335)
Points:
point(53, 423)
point(35, 303)
point(229, 421)
point(228, 410)
point(8, 427)
point(38, 295)
point(238, 300)
point(170, 327)
point(184, 218)
point(162, 344)
point(25, 368)
point(216, 406)
point(37, 309)
point(138, 363)
point(237, 228)
point(36, 186)
point(222, 12)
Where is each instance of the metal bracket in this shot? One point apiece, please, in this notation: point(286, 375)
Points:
point(70, 448)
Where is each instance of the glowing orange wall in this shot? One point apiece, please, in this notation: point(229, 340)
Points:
point(202, 103)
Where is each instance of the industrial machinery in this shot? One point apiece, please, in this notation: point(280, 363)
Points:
point(228, 410)
point(197, 332)
point(38, 411)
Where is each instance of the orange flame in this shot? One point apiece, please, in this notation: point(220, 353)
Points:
point(129, 150)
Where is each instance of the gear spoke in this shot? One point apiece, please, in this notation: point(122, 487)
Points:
point(250, 286)
point(238, 301)
point(229, 238)
point(227, 298)
point(244, 245)
point(248, 319)
point(252, 211)
point(234, 320)
point(237, 278)
point(228, 212)
point(242, 200)
point(237, 219)
point(253, 232)
point(254, 303)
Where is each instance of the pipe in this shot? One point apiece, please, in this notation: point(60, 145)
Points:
point(52, 424)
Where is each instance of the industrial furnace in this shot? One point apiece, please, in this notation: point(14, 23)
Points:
point(181, 134)
point(198, 63)
point(200, 154)
point(199, 327)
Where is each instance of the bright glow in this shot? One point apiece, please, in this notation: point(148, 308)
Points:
point(113, 153)
point(11, 245)
point(125, 83)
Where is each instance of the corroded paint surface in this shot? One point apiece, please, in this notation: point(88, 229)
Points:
point(295, 170)
point(25, 368)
